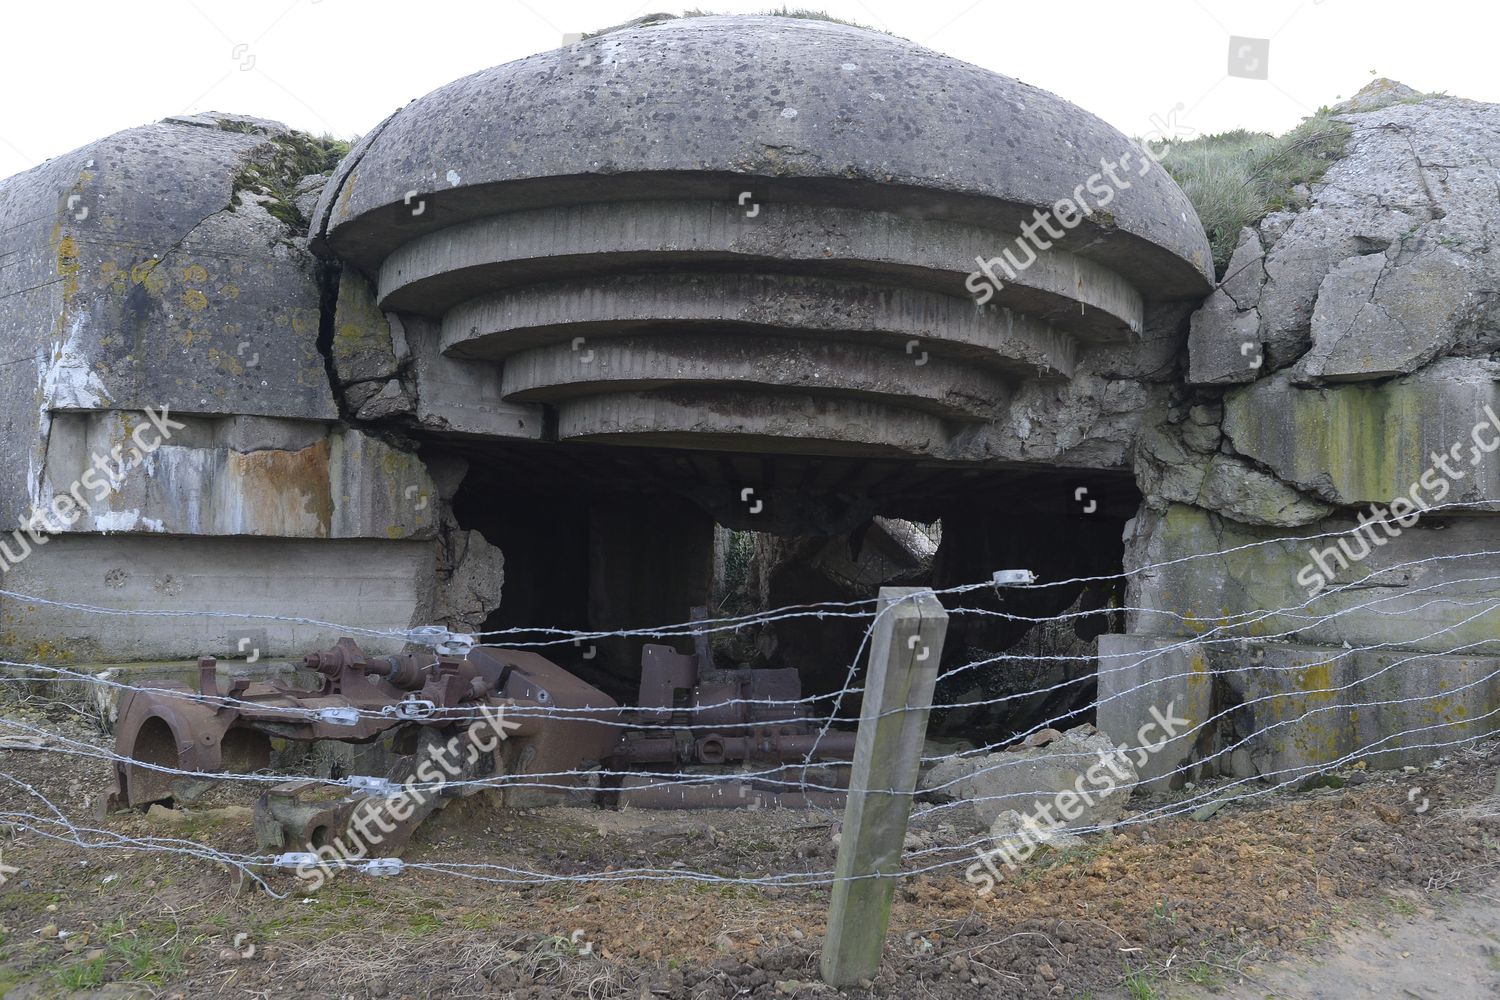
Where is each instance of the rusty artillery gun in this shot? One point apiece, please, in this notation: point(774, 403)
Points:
point(423, 700)
point(553, 730)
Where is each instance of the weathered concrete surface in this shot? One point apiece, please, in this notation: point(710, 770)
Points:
point(470, 575)
point(463, 398)
point(366, 346)
point(1390, 314)
point(431, 274)
point(1141, 677)
point(237, 476)
point(644, 362)
point(747, 212)
point(812, 105)
point(166, 266)
point(495, 326)
point(1279, 711)
point(1224, 343)
point(1029, 780)
point(138, 272)
point(1415, 193)
point(375, 584)
point(1430, 588)
point(737, 421)
point(1089, 421)
point(1181, 464)
point(1360, 444)
point(1375, 398)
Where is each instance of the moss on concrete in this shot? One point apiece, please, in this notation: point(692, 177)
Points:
point(277, 167)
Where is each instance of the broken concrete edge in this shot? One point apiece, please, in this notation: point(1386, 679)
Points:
point(1302, 307)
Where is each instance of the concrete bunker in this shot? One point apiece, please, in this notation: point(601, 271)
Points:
point(482, 373)
point(758, 317)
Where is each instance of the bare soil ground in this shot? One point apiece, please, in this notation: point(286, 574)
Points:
point(1424, 948)
point(1223, 907)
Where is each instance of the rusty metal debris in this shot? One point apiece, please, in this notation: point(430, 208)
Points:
point(558, 730)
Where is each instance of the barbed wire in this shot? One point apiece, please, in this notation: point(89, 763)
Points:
point(1226, 631)
point(768, 776)
point(822, 609)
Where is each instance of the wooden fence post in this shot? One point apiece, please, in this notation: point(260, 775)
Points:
point(904, 651)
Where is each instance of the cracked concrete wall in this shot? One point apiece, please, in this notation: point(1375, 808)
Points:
point(1345, 361)
point(168, 266)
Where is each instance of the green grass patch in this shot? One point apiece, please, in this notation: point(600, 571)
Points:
point(1402, 905)
point(1202, 975)
point(1049, 859)
point(279, 167)
point(81, 975)
point(1139, 987)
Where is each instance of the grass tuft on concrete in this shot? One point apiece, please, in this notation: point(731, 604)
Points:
point(1235, 179)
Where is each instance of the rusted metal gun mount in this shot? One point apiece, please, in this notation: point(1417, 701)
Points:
point(359, 699)
point(556, 729)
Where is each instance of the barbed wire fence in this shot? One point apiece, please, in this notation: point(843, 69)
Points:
point(1241, 633)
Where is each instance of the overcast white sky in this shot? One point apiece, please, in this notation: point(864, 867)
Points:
point(77, 71)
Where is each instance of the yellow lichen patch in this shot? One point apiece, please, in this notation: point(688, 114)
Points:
point(195, 300)
point(67, 265)
point(145, 273)
point(195, 273)
point(348, 192)
point(226, 363)
point(1315, 678)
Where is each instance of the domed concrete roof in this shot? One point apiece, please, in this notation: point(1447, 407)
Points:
point(761, 234)
point(145, 268)
point(822, 112)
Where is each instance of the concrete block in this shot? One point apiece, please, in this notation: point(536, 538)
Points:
point(1143, 680)
point(1427, 589)
point(1363, 444)
point(368, 583)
